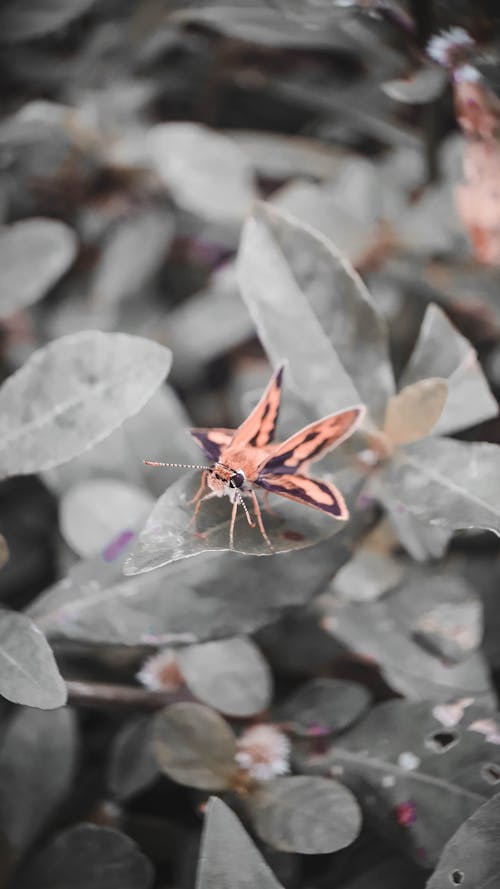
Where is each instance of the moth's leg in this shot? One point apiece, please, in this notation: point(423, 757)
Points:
point(200, 490)
point(231, 526)
point(258, 516)
point(268, 508)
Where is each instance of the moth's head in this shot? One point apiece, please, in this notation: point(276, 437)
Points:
point(223, 480)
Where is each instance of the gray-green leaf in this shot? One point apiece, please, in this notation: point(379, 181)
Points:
point(194, 746)
point(28, 671)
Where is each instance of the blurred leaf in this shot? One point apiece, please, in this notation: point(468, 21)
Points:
point(452, 484)
point(425, 85)
point(417, 781)
point(230, 675)
point(391, 874)
point(276, 156)
point(168, 535)
point(88, 857)
point(132, 765)
point(206, 172)
point(228, 858)
point(27, 20)
point(194, 746)
point(310, 307)
point(132, 254)
point(420, 540)
point(415, 410)
point(34, 254)
point(323, 706)
point(471, 858)
point(4, 551)
point(28, 671)
point(94, 512)
point(379, 632)
point(72, 394)
point(37, 761)
point(307, 815)
point(441, 351)
point(367, 576)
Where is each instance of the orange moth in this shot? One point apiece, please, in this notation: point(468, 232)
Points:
point(247, 457)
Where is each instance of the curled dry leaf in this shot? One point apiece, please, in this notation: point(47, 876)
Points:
point(34, 254)
point(303, 814)
point(230, 675)
point(195, 746)
point(228, 858)
point(413, 412)
point(72, 393)
point(28, 673)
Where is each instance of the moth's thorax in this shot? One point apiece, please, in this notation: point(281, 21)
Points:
point(246, 460)
point(224, 480)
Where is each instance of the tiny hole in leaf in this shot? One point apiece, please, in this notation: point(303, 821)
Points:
point(440, 742)
point(491, 773)
point(456, 877)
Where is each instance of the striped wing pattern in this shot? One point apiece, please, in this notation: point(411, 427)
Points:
point(312, 442)
point(309, 491)
point(212, 441)
point(259, 427)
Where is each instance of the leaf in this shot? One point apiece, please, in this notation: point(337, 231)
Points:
point(416, 780)
point(471, 858)
point(168, 534)
point(206, 172)
point(310, 307)
point(72, 393)
point(452, 484)
point(367, 576)
point(94, 512)
point(88, 857)
point(34, 254)
point(4, 551)
point(194, 746)
point(378, 632)
point(37, 761)
point(414, 411)
point(28, 671)
point(278, 156)
point(132, 765)
point(420, 540)
point(24, 20)
point(307, 815)
point(441, 351)
point(323, 706)
point(228, 858)
point(230, 675)
point(425, 85)
point(133, 253)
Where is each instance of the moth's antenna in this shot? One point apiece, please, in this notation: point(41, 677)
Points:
point(249, 517)
point(174, 465)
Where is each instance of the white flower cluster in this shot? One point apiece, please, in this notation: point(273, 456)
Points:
point(264, 752)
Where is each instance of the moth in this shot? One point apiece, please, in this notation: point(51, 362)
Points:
point(247, 458)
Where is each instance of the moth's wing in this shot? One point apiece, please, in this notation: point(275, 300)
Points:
point(212, 441)
point(309, 491)
point(312, 442)
point(258, 429)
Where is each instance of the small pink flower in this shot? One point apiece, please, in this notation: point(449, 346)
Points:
point(450, 715)
point(264, 752)
point(406, 813)
point(450, 48)
point(487, 727)
point(162, 672)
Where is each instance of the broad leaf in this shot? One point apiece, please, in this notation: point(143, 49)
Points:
point(206, 172)
point(169, 534)
point(228, 858)
point(378, 631)
point(72, 394)
point(323, 706)
point(34, 254)
point(28, 671)
point(420, 540)
point(4, 551)
point(452, 484)
point(414, 412)
point(195, 746)
point(24, 20)
point(471, 858)
point(279, 263)
point(417, 780)
point(230, 675)
point(307, 815)
point(425, 85)
point(37, 760)
point(94, 512)
point(441, 351)
point(132, 765)
point(367, 576)
point(88, 857)
point(278, 156)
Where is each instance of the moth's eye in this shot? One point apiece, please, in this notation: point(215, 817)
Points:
point(237, 479)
